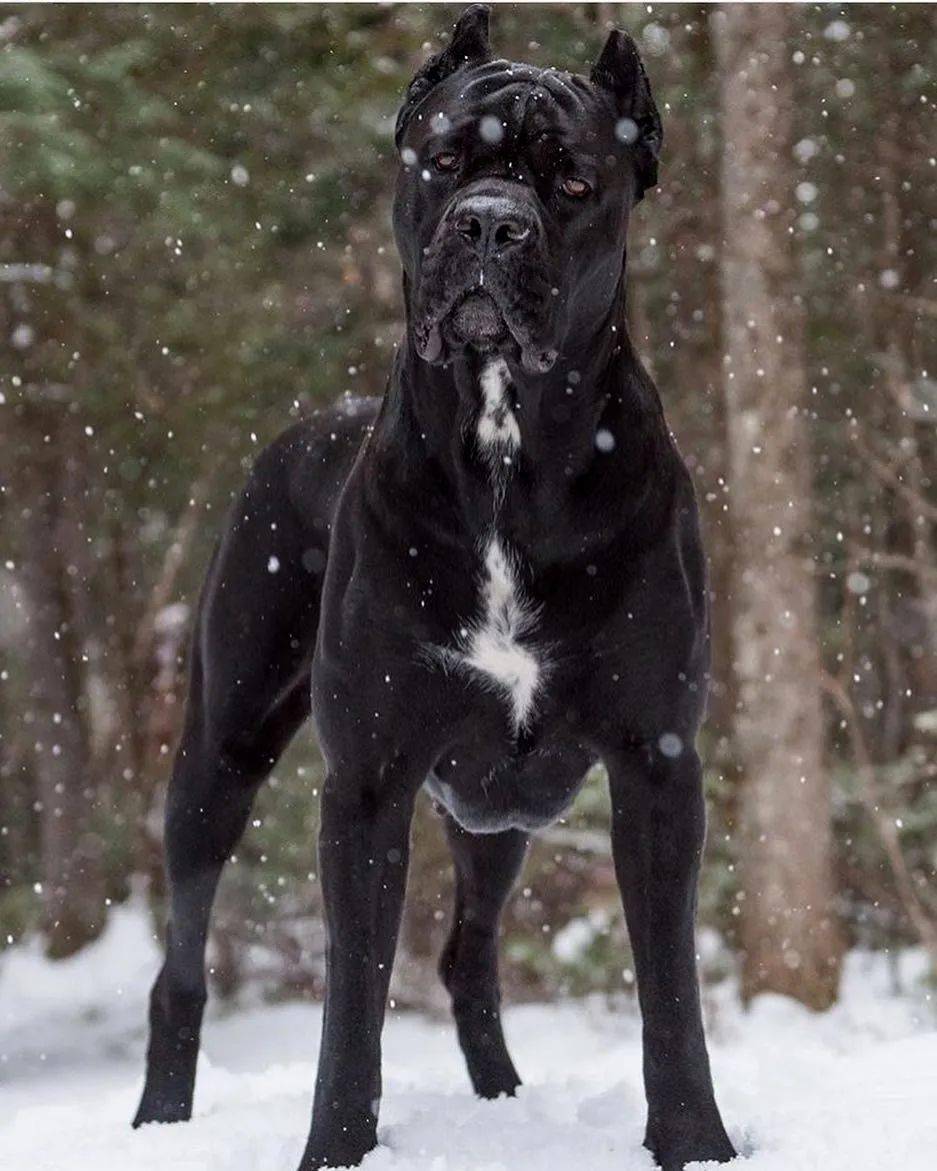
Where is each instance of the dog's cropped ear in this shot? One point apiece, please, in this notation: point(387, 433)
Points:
point(621, 72)
point(468, 46)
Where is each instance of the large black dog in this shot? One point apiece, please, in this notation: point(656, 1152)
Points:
point(492, 579)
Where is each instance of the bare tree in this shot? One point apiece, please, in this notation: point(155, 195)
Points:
point(48, 480)
point(788, 933)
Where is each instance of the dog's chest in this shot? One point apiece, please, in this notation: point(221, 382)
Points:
point(498, 647)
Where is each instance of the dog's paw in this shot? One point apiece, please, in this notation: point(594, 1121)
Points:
point(693, 1139)
point(346, 1148)
point(161, 1108)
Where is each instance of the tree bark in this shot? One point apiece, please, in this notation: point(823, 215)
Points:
point(70, 852)
point(790, 939)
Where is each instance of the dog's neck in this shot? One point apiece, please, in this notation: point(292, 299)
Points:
point(597, 371)
point(594, 418)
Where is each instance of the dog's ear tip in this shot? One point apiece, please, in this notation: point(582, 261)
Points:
point(467, 45)
point(475, 12)
point(620, 71)
point(473, 24)
point(619, 51)
point(620, 38)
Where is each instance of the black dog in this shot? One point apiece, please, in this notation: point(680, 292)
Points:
point(506, 556)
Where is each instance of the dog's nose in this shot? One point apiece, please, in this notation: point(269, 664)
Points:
point(500, 232)
point(490, 223)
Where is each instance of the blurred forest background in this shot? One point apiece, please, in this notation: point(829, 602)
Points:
point(195, 249)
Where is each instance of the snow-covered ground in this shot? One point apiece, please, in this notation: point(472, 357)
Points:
point(854, 1090)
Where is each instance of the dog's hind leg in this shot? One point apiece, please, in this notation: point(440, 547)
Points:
point(248, 693)
point(486, 868)
point(209, 802)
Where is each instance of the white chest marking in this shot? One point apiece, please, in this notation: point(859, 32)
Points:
point(492, 647)
point(497, 426)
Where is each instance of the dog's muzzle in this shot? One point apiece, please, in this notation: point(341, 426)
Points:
point(483, 282)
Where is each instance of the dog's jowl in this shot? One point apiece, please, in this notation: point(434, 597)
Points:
point(488, 581)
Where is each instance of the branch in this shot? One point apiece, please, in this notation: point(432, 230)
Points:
point(921, 305)
point(871, 798)
point(172, 563)
point(586, 841)
point(897, 561)
point(890, 477)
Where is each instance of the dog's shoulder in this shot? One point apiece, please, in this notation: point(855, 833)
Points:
point(304, 467)
point(325, 432)
point(325, 441)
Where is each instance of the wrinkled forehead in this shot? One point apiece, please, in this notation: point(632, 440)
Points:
point(511, 100)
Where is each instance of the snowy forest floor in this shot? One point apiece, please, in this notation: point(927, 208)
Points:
point(852, 1090)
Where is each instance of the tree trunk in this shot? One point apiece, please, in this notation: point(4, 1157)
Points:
point(72, 885)
point(699, 409)
point(790, 940)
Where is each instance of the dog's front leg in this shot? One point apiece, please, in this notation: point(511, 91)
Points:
point(363, 852)
point(658, 826)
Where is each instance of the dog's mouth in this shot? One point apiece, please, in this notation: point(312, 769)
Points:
point(477, 320)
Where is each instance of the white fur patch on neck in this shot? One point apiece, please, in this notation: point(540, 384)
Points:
point(492, 646)
point(497, 426)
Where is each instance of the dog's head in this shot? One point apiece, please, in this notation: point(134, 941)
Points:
point(514, 193)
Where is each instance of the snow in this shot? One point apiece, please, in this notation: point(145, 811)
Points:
point(851, 1090)
point(491, 129)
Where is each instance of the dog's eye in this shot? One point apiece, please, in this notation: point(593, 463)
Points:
point(575, 187)
point(446, 160)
